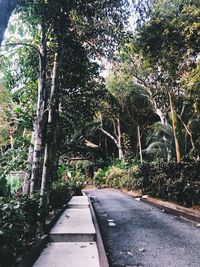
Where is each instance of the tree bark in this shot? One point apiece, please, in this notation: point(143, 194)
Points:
point(50, 146)
point(11, 138)
point(117, 140)
point(174, 125)
point(139, 143)
point(121, 153)
point(38, 125)
point(6, 9)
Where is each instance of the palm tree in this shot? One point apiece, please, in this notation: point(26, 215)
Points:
point(160, 141)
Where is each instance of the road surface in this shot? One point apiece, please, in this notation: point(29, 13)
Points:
point(136, 234)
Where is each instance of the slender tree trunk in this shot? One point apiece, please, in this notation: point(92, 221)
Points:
point(50, 145)
point(161, 115)
point(26, 185)
point(139, 143)
point(11, 138)
point(6, 9)
point(121, 153)
point(174, 125)
point(38, 126)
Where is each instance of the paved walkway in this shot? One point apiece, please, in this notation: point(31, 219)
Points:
point(137, 234)
point(72, 239)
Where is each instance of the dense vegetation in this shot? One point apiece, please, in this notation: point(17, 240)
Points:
point(64, 124)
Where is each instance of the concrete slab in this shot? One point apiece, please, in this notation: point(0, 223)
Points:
point(78, 202)
point(74, 225)
point(69, 255)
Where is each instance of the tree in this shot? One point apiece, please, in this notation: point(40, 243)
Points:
point(79, 20)
point(168, 40)
point(132, 102)
point(160, 141)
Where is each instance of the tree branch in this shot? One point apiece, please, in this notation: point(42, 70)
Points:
point(109, 135)
point(24, 44)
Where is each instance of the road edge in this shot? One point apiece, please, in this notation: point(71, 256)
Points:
point(103, 260)
point(174, 209)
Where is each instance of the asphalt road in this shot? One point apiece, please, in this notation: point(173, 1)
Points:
point(136, 234)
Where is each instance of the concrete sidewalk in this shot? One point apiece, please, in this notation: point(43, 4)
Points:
point(69, 254)
point(72, 239)
point(74, 225)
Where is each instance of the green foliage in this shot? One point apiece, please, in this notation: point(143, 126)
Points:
point(59, 194)
point(13, 160)
point(99, 179)
point(81, 164)
point(73, 176)
point(179, 183)
point(173, 182)
point(19, 222)
point(77, 182)
point(116, 176)
point(23, 218)
point(160, 141)
point(14, 184)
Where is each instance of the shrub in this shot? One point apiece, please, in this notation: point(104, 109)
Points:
point(76, 183)
point(23, 218)
point(173, 182)
point(115, 177)
point(121, 178)
point(18, 227)
point(59, 194)
point(99, 179)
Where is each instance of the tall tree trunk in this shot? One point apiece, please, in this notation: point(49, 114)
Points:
point(38, 126)
point(50, 145)
point(11, 138)
point(139, 143)
point(6, 9)
point(174, 125)
point(121, 153)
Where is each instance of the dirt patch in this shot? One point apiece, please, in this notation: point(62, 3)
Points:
point(133, 193)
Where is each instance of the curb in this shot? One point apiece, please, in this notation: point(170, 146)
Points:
point(192, 215)
point(103, 260)
point(101, 250)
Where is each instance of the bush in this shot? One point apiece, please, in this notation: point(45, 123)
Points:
point(173, 182)
point(76, 183)
point(179, 183)
point(23, 218)
point(19, 223)
point(115, 177)
point(59, 194)
point(99, 179)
